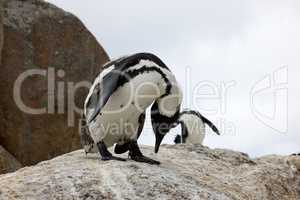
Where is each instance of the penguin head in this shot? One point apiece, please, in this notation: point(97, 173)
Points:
point(193, 127)
point(163, 121)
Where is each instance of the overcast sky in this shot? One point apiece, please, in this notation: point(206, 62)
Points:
point(241, 58)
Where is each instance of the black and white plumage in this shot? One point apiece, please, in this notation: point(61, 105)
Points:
point(115, 106)
point(193, 127)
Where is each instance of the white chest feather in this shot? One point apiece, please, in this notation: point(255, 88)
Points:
point(118, 120)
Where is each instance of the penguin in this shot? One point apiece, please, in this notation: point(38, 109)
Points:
point(192, 127)
point(114, 109)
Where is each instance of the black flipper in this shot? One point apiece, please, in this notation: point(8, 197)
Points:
point(210, 124)
point(107, 86)
point(105, 154)
point(136, 154)
point(119, 149)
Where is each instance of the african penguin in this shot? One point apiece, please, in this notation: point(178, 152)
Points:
point(114, 109)
point(192, 127)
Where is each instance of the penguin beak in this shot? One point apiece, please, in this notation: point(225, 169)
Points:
point(159, 138)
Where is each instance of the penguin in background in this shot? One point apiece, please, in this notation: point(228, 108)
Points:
point(193, 127)
point(114, 109)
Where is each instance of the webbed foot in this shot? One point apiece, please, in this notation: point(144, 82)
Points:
point(145, 160)
point(105, 154)
point(106, 158)
point(136, 155)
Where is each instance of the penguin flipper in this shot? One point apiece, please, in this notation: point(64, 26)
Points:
point(210, 124)
point(107, 87)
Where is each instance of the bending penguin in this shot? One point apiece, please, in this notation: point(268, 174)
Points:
point(114, 110)
point(193, 127)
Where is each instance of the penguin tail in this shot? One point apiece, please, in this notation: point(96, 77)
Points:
point(177, 139)
point(210, 124)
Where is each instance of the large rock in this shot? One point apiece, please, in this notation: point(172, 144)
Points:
point(7, 162)
point(186, 172)
point(38, 35)
point(1, 28)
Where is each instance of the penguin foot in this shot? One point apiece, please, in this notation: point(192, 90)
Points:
point(106, 158)
point(145, 159)
point(105, 154)
point(136, 155)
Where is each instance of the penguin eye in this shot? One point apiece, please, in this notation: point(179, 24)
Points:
point(174, 125)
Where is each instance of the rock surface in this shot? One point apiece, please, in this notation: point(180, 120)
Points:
point(7, 162)
point(294, 162)
point(38, 35)
point(1, 28)
point(186, 172)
